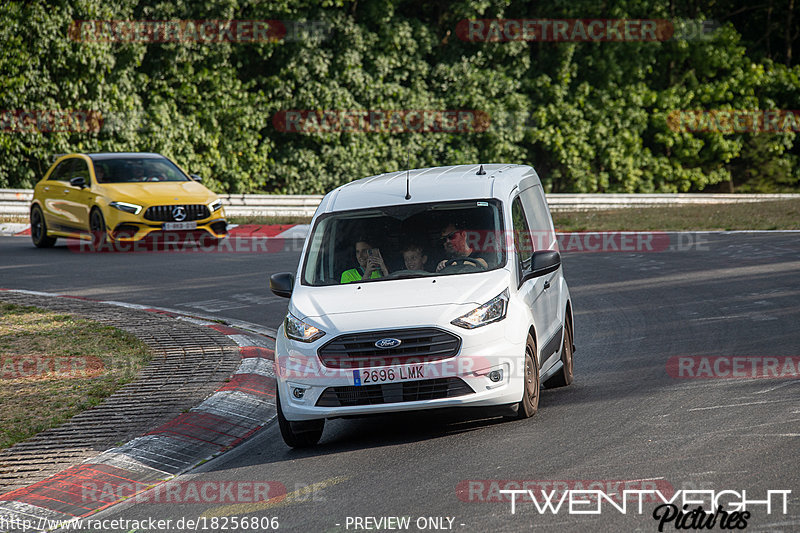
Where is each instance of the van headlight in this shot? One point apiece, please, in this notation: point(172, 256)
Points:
point(492, 311)
point(125, 206)
point(298, 330)
point(215, 205)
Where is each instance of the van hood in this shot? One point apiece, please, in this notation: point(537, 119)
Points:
point(443, 292)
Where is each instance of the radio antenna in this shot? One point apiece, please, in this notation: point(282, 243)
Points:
point(408, 173)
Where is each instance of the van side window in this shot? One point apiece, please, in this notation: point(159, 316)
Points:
point(62, 171)
point(523, 243)
point(539, 218)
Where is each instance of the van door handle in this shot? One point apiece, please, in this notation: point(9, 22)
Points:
point(66, 191)
point(546, 284)
point(47, 188)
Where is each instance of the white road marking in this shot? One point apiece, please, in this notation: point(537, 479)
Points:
point(25, 511)
point(118, 459)
point(215, 305)
point(241, 324)
point(716, 274)
point(256, 299)
point(256, 365)
point(196, 321)
point(125, 304)
point(741, 404)
point(251, 340)
point(240, 407)
point(779, 386)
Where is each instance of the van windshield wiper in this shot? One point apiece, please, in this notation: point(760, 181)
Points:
point(408, 275)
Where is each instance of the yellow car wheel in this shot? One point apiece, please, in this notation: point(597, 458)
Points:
point(39, 229)
point(97, 226)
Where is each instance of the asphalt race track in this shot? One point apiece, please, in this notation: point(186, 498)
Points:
point(663, 397)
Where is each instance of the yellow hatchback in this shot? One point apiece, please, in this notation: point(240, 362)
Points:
point(121, 197)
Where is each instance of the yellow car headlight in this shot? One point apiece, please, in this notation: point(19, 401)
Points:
point(125, 206)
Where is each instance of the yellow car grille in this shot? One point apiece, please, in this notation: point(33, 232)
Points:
point(177, 213)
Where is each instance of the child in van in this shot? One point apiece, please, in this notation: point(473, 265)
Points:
point(414, 257)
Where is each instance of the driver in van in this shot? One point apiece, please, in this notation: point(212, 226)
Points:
point(454, 241)
point(370, 264)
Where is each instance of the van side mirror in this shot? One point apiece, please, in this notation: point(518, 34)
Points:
point(78, 181)
point(281, 284)
point(196, 177)
point(542, 262)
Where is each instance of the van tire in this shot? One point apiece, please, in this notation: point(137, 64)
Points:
point(564, 376)
point(299, 434)
point(529, 404)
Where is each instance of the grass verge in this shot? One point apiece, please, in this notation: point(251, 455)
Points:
point(773, 215)
point(53, 366)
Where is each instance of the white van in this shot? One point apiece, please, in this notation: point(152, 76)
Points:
point(422, 289)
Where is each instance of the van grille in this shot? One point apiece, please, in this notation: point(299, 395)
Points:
point(417, 345)
point(407, 391)
point(163, 213)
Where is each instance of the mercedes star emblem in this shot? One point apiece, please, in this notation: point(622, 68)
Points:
point(179, 213)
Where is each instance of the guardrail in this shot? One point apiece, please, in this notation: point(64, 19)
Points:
point(15, 202)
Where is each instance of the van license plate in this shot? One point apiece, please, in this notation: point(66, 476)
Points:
point(172, 226)
point(388, 375)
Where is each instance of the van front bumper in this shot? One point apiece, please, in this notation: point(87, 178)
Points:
point(487, 371)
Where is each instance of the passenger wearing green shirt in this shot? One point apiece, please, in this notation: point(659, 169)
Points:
point(370, 264)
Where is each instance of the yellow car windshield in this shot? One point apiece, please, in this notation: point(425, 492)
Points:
point(136, 170)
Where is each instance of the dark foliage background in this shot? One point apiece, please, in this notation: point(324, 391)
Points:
point(591, 117)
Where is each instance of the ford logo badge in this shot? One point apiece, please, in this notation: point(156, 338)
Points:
point(388, 343)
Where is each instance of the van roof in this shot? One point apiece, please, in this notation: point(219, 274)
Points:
point(459, 182)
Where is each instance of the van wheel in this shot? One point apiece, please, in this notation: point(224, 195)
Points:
point(564, 377)
point(299, 434)
point(39, 229)
point(530, 396)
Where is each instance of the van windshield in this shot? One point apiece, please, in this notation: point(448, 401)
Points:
point(405, 241)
